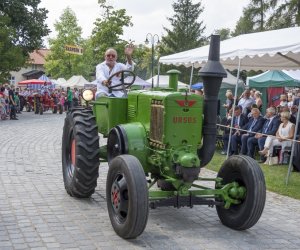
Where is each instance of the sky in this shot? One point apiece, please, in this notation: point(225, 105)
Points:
point(148, 16)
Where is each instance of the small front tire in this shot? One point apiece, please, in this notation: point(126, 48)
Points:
point(245, 171)
point(127, 196)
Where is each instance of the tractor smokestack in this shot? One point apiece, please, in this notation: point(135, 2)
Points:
point(212, 74)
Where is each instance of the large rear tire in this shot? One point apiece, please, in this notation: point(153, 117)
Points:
point(80, 153)
point(127, 196)
point(247, 173)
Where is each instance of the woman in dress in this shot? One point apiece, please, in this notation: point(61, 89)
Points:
point(284, 133)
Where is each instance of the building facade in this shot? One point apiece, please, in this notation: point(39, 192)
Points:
point(34, 69)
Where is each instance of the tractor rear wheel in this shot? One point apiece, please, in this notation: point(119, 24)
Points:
point(247, 173)
point(127, 196)
point(80, 153)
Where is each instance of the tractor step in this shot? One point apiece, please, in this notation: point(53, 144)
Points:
point(184, 201)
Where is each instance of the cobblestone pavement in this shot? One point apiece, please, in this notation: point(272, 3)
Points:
point(37, 213)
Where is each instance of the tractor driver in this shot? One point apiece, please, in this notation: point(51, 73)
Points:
point(109, 67)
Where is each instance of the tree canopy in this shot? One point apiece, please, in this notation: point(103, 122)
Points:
point(22, 28)
point(59, 63)
point(186, 30)
point(109, 28)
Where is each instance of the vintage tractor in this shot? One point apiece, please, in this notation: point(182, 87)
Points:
point(162, 137)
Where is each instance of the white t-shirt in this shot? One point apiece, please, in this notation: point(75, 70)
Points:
point(103, 73)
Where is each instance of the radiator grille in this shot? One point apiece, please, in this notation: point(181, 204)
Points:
point(157, 121)
point(131, 111)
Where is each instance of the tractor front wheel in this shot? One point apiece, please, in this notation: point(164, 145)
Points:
point(127, 196)
point(80, 153)
point(247, 173)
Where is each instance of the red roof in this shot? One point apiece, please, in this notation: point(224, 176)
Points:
point(38, 56)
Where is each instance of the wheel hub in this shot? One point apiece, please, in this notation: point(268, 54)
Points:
point(119, 198)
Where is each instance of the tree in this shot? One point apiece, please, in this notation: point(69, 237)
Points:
point(287, 14)
point(108, 29)
point(245, 24)
point(185, 32)
point(22, 27)
point(224, 33)
point(59, 63)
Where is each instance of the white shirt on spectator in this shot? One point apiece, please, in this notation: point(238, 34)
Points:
point(245, 103)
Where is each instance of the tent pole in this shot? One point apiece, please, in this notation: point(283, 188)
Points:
point(233, 106)
point(158, 71)
point(293, 147)
point(191, 78)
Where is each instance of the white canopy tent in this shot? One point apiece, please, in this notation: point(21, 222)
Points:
point(293, 73)
point(163, 81)
point(275, 49)
point(75, 82)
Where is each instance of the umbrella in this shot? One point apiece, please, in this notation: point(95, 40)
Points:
point(34, 81)
point(198, 85)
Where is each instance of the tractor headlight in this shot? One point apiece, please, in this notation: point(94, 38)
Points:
point(87, 95)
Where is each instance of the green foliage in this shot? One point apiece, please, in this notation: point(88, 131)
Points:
point(275, 177)
point(185, 33)
point(224, 33)
point(60, 63)
point(108, 29)
point(262, 15)
point(244, 25)
point(22, 27)
point(287, 14)
point(11, 55)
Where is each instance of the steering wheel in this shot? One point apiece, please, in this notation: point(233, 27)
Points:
point(123, 84)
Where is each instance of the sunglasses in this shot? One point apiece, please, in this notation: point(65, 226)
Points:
point(111, 55)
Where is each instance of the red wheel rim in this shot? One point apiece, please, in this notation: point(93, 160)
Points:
point(73, 152)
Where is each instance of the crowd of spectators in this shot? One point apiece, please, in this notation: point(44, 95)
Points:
point(254, 129)
point(13, 99)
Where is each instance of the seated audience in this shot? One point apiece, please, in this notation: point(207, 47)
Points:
point(239, 120)
point(285, 131)
point(258, 100)
point(254, 125)
point(269, 127)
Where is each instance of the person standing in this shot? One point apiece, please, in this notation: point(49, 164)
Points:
point(69, 98)
point(12, 104)
point(246, 101)
point(75, 97)
point(109, 67)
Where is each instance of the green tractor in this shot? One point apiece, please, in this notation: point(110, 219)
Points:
point(161, 137)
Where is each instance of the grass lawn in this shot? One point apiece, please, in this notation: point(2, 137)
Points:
point(275, 177)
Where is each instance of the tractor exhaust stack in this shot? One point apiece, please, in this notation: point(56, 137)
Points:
point(212, 74)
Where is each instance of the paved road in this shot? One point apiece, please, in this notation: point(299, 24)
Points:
point(37, 213)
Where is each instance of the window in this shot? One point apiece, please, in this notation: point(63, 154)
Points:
point(33, 66)
point(12, 80)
